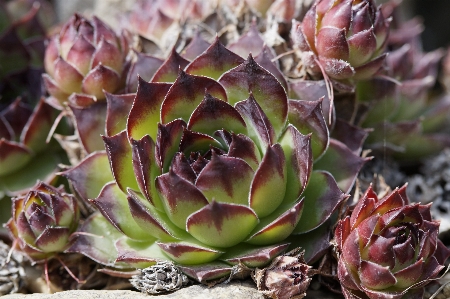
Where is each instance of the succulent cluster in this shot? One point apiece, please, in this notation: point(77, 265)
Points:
point(217, 165)
point(195, 151)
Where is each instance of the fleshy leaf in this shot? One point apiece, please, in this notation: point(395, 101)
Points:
point(215, 61)
point(298, 153)
point(53, 239)
point(186, 93)
point(120, 156)
point(307, 117)
point(196, 47)
point(168, 71)
point(259, 127)
point(180, 197)
point(253, 256)
point(99, 79)
point(207, 272)
point(145, 67)
point(97, 241)
point(322, 197)
point(192, 142)
point(118, 108)
point(145, 114)
point(269, 182)
point(241, 146)
point(90, 175)
point(213, 114)
point(225, 179)
point(189, 253)
point(221, 224)
point(146, 168)
point(168, 141)
point(376, 277)
point(138, 254)
point(264, 59)
point(278, 226)
point(154, 222)
point(249, 77)
point(342, 163)
point(90, 124)
point(113, 204)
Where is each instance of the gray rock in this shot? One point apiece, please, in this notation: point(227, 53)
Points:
point(233, 290)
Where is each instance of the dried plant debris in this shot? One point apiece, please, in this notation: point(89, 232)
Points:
point(286, 278)
point(11, 271)
point(160, 278)
point(433, 185)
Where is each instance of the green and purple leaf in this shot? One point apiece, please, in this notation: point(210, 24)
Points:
point(113, 205)
point(90, 175)
point(120, 156)
point(168, 71)
point(225, 179)
point(145, 67)
point(189, 253)
point(96, 239)
point(278, 225)
point(253, 256)
point(180, 198)
point(268, 187)
point(215, 61)
point(250, 42)
point(322, 197)
point(307, 117)
point(207, 272)
point(168, 142)
point(299, 159)
point(90, 125)
point(118, 108)
point(249, 77)
point(342, 163)
point(186, 93)
point(213, 114)
point(258, 124)
point(222, 224)
point(145, 113)
point(138, 254)
point(13, 156)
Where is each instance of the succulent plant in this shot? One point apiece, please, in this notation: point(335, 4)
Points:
point(43, 220)
point(85, 59)
point(213, 168)
point(388, 248)
point(342, 39)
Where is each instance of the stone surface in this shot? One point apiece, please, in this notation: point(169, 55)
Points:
point(234, 290)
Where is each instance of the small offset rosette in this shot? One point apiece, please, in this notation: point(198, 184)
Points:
point(388, 248)
point(43, 221)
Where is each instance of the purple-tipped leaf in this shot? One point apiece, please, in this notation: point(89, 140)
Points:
point(322, 197)
point(222, 224)
point(342, 163)
point(189, 253)
point(120, 157)
point(90, 125)
point(145, 114)
point(113, 204)
point(90, 175)
point(186, 93)
point(168, 71)
point(225, 179)
point(215, 61)
point(249, 77)
point(118, 108)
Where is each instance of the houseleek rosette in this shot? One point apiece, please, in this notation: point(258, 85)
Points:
point(343, 39)
point(209, 171)
point(43, 220)
point(86, 57)
point(388, 248)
